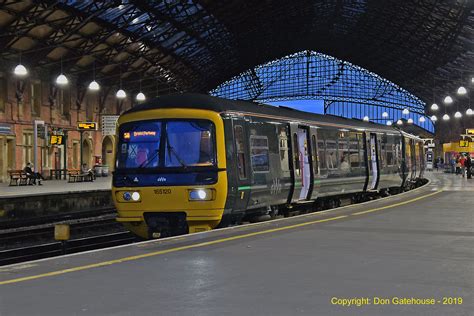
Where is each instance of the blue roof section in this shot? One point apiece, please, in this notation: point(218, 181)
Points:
point(346, 89)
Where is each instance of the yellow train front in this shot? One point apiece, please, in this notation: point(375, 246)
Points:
point(170, 174)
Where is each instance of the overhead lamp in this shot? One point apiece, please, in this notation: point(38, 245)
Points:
point(20, 70)
point(399, 122)
point(472, 79)
point(62, 80)
point(434, 107)
point(422, 119)
point(140, 96)
point(94, 85)
point(469, 111)
point(410, 121)
point(121, 94)
point(366, 118)
point(446, 117)
point(434, 118)
point(448, 100)
point(384, 114)
point(457, 114)
point(405, 111)
point(462, 90)
point(389, 123)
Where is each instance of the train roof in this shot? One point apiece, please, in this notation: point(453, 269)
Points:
point(202, 101)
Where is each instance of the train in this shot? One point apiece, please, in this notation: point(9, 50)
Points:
point(189, 162)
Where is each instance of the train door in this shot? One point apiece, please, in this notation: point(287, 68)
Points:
point(315, 184)
point(297, 153)
point(242, 172)
point(372, 161)
point(304, 159)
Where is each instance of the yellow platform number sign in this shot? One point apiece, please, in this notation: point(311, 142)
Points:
point(463, 143)
point(57, 140)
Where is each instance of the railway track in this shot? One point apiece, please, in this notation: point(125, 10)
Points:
point(57, 248)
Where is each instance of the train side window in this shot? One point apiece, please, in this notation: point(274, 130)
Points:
point(354, 158)
point(331, 155)
point(239, 146)
point(315, 154)
point(296, 154)
point(259, 156)
point(283, 146)
point(323, 170)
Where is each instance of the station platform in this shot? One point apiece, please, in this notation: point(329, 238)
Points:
point(413, 252)
point(55, 187)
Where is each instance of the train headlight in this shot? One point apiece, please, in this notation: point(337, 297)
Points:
point(201, 195)
point(135, 196)
point(127, 196)
point(130, 197)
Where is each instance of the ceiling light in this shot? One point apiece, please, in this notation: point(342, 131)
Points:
point(448, 100)
point(434, 118)
point(62, 80)
point(410, 121)
point(94, 85)
point(422, 119)
point(384, 114)
point(141, 96)
point(366, 118)
point(399, 122)
point(121, 94)
point(405, 111)
point(462, 90)
point(469, 111)
point(434, 107)
point(457, 114)
point(20, 70)
point(446, 117)
point(389, 123)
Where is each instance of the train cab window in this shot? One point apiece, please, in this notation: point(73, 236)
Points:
point(296, 154)
point(314, 152)
point(240, 150)
point(259, 156)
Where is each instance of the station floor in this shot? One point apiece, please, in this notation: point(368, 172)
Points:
point(419, 244)
point(55, 187)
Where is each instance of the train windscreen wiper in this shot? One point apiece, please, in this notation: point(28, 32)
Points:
point(149, 160)
point(172, 151)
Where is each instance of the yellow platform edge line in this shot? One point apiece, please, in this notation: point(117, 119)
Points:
point(203, 244)
point(397, 204)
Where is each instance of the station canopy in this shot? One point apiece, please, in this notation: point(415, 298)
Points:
point(197, 45)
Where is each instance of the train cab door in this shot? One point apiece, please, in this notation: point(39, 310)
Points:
point(372, 161)
point(301, 170)
point(313, 145)
point(242, 163)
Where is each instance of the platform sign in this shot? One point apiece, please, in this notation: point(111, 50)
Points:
point(86, 126)
point(109, 124)
point(57, 140)
point(463, 143)
point(470, 131)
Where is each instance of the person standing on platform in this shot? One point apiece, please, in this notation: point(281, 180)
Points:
point(462, 160)
point(468, 165)
point(31, 175)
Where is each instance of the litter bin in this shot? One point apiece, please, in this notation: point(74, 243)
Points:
point(98, 170)
point(105, 171)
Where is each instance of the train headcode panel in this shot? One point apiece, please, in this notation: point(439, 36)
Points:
point(87, 126)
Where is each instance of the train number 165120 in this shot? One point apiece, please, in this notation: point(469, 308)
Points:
point(163, 191)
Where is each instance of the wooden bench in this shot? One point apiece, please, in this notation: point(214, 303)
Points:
point(18, 177)
point(75, 175)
